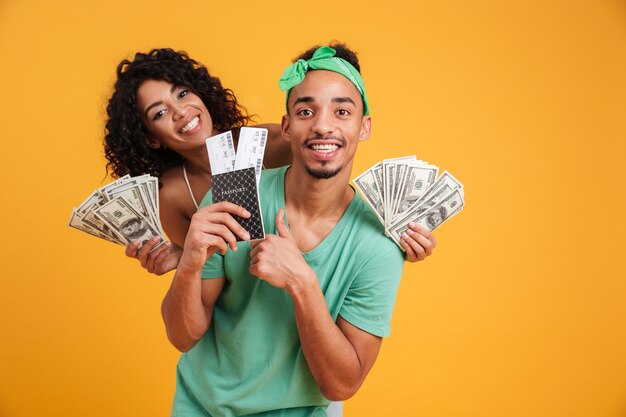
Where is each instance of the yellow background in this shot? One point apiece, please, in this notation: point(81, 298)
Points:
point(521, 311)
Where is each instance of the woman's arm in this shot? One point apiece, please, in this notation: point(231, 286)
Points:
point(277, 149)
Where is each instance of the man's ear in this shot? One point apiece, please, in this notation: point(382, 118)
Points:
point(285, 125)
point(366, 128)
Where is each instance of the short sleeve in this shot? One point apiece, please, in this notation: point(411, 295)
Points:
point(369, 302)
point(214, 267)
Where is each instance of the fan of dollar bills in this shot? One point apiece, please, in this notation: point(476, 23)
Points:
point(121, 212)
point(404, 190)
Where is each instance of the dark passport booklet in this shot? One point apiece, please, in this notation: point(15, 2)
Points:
point(239, 187)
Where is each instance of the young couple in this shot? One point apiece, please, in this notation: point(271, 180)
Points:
point(278, 327)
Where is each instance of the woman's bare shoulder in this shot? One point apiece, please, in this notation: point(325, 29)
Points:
point(172, 188)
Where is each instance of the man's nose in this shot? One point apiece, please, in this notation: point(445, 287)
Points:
point(323, 123)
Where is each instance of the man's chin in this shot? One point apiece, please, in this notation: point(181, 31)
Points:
point(323, 173)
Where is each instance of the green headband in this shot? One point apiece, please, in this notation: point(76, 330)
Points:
point(323, 59)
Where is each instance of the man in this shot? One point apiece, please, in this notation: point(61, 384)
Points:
point(281, 326)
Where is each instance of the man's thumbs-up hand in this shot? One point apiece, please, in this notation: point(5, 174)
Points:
point(277, 259)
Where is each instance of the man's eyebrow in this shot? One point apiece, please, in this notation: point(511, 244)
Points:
point(343, 100)
point(305, 99)
point(158, 103)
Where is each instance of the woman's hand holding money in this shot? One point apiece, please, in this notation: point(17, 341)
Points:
point(163, 259)
point(418, 242)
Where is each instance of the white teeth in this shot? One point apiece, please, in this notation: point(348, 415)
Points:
point(324, 147)
point(190, 125)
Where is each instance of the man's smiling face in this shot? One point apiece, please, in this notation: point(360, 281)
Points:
point(325, 123)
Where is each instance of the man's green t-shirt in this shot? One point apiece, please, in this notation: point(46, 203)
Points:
point(250, 361)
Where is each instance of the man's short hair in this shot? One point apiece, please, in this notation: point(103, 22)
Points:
point(342, 52)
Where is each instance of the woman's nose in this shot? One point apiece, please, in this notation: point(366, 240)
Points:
point(179, 111)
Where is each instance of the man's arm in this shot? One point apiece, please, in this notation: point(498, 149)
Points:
point(187, 308)
point(339, 354)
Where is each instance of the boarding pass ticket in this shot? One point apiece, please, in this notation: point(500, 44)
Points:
point(221, 153)
point(250, 150)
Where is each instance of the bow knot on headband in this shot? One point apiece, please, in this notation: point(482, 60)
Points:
point(323, 59)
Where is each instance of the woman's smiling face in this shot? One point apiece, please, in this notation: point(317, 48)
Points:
point(173, 115)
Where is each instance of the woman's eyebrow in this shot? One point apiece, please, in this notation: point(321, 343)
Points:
point(158, 103)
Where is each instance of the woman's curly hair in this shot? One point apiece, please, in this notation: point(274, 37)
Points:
point(126, 140)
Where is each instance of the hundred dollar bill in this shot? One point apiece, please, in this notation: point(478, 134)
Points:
point(151, 185)
point(441, 188)
point(148, 187)
point(444, 179)
point(433, 217)
point(94, 199)
point(417, 179)
point(114, 187)
point(76, 222)
point(368, 187)
point(424, 205)
point(138, 196)
point(377, 171)
point(445, 184)
point(90, 219)
point(127, 222)
point(120, 182)
point(398, 174)
point(389, 178)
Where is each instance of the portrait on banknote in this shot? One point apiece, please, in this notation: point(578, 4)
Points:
point(436, 217)
point(133, 228)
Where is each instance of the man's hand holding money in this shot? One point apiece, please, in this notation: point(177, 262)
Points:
point(418, 243)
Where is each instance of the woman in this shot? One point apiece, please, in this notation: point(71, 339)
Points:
point(163, 107)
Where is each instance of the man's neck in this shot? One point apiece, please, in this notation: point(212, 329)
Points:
point(315, 198)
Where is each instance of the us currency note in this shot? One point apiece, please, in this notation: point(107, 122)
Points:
point(389, 167)
point(140, 192)
point(417, 180)
point(404, 190)
point(367, 185)
point(138, 195)
point(445, 178)
point(399, 171)
point(433, 217)
point(77, 223)
point(94, 199)
point(127, 222)
point(424, 205)
point(377, 172)
point(90, 219)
